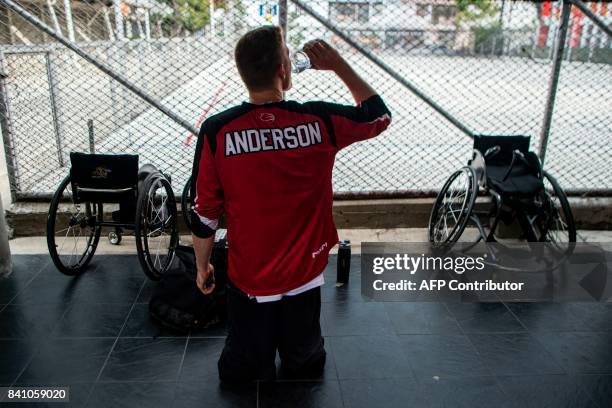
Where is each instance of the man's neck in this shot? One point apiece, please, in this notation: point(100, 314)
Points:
point(267, 96)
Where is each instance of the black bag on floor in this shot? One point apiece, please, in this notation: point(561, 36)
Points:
point(177, 303)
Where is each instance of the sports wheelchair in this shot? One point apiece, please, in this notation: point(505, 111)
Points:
point(145, 201)
point(505, 169)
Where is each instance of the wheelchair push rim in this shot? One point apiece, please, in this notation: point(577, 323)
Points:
point(73, 230)
point(453, 207)
point(156, 230)
point(557, 224)
point(187, 203)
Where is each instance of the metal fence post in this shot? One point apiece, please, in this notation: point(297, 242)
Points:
point(55, 106)
point(282, 16)
point(6, 264)
point(111, 83)
point(90, 131)
point(119, 31)
point(554, 79)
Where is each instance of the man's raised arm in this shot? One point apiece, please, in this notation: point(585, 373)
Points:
point(350, 123)
point(324, 57)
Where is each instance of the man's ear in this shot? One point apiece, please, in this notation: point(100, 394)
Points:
point(282, 71)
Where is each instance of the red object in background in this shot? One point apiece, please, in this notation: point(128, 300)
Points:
point(546, 8)
point(576, 23)
point(576, 27)
point(210, 105)
point(543, 35)
point(544, 19)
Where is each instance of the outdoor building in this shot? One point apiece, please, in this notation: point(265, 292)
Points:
point(433, 25)
point(82, 21)
point(400, 25)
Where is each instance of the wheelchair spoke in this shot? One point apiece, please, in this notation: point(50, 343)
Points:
point(151, 233)
point(157, 252)
point(559, 234)
point(445, 228)
point(452, 212)
point(62, 230)
point(68, 230)
point(154, 213)
point(74, 247)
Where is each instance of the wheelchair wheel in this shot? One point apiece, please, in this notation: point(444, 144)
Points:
point(156, 226)
point(453, 207)
point(73, 230)
point(187, 203)
point(557, 224)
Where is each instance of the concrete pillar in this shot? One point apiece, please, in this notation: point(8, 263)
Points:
point(5, 187)
point(6, 264)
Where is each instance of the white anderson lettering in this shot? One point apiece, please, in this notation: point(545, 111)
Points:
point(256, 140)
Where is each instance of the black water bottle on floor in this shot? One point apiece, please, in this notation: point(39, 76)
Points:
point(344, 262)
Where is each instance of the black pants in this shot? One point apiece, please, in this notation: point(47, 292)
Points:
point(257, 330)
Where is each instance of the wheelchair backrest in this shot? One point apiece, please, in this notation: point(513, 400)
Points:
point(103, 177)
point(507, 145)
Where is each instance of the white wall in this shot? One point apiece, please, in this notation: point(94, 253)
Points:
point(5, 191)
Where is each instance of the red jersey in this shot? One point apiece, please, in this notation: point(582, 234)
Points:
point(268, 169)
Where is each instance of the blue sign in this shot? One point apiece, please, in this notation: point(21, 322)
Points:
point(268, 9)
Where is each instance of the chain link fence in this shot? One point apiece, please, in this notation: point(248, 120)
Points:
point(579, 150)
point(487, 65)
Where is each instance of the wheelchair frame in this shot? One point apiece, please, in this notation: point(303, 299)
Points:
point(146, 205)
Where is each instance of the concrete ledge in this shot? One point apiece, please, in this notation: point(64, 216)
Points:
point(384, 213)
point(593, 213)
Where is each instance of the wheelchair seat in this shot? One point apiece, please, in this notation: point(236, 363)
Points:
point(521, 182)
point(524, 179)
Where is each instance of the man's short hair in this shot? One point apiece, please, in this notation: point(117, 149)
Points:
point(258, 55)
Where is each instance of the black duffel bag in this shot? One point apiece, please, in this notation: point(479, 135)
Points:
point(178, 304)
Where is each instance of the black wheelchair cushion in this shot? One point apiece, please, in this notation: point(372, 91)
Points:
point(103, 171)
point(507, 145)
point(107, 173)
point(521, 182)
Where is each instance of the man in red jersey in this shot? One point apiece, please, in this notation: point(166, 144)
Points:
point(266, 165)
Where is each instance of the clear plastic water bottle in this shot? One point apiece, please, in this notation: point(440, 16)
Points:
point(299, 62)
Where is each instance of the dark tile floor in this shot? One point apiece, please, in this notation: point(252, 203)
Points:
point(93, 333)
